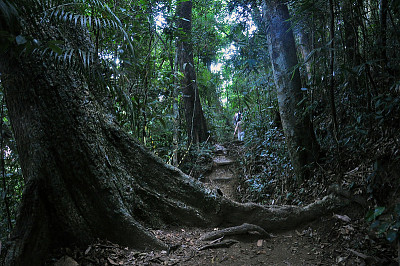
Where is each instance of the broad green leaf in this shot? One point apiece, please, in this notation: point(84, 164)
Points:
point(373, 214)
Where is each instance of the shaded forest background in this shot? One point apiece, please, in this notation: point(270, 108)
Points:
point(348, 57)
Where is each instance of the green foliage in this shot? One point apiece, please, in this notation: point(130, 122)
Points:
point(91, 15)
point(12, 181)
point(387, 109)
point(197, 161)
point(385, 224)
point(11, 192)
point(266, 163)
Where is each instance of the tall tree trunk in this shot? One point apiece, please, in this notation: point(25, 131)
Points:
point(195, 121)
point(300, 138)
point(383, 10)
point(332, 70)
point(350, 33)
point(305, 48)
point(175, 108)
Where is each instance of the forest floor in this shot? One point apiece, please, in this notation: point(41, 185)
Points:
point(337, 239)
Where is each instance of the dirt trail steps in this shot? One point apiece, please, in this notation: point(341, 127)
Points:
point(223, 175)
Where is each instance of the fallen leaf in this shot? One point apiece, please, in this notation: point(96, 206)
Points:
point(344, 218)
point(88, 250)
point(340, 259)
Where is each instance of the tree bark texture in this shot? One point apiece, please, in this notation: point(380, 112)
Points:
point(305, 47)
point(195, 122)
point(300, 138)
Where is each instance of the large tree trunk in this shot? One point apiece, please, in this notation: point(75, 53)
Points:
point(88, 179)
point(195, 122)
point(300, 138)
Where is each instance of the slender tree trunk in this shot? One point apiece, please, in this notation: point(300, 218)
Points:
point(332, 70)
point(350, 33)
point(175, 107)
point(297, 127)
point(195, 121)
point(383, 11)
point(305, 49)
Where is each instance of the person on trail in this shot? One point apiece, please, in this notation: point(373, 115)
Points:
point(237, 117)
point(238, 126)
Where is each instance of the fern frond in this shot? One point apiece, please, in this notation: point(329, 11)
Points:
point(61, 13)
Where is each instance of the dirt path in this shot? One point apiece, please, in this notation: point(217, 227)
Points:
point(309, 245)
point(322, 242)
point(223, 176)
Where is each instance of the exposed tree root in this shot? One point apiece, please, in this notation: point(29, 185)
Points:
point(236, 230)
point(278, 218)
point(336, 189)
point(223, 244)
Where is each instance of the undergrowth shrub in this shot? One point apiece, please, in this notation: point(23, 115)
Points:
point(266, 164)
point(197, 161)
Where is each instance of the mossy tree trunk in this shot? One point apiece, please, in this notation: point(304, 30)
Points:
point(300, 138)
